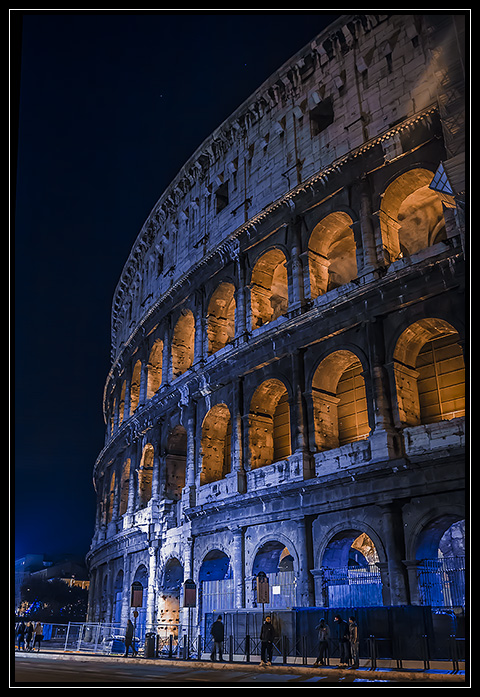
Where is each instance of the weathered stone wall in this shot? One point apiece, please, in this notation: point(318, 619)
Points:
point(271, 399)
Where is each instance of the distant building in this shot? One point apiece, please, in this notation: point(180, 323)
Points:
point(70, 571)
point(287, 389)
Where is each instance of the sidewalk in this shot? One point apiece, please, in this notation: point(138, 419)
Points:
point(438, 673)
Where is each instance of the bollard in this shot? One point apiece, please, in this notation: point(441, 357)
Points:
point(304, 650)
point(373, 657)
point(230, 648)
point(426, 653)
point(170, 646)
point(247, 648)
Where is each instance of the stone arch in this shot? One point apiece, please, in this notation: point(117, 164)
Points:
point(349, 569)
point(440, 561)
point(269, 424)
point(117, 597)
point(135, 386)
point(339, 401)
point(276, 558)
point(221, 317)
point(215, 582)
point(175, 462)
point(332, 257)
point(183, 344)
point(121, 403)
point(141, 576)
point(170, 589)
point(429, 373)
point(411, 214)
point(111, 499)
point(268, 288)
point(124, 487)
point(145, 474)
point(154, 368)
point(216, 444)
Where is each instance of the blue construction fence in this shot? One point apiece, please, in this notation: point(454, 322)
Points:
point(400, 633)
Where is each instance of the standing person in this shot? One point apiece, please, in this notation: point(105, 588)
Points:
point(354, 641)
point(28, 636)
point(323, 637)
point(37, 635)
point(267, 635)
point(21, 635)
point(218, 633)
point(130, 639)
point(344, 640)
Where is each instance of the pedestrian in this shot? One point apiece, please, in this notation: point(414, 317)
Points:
point(37, 636)
point(21, 635)
point(218, 634)
point(130, 639)
point(267, 635)
point(344, 640)
point(28, 636)
point(323, 637)
point(354, 641)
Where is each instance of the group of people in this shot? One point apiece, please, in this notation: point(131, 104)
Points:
point(348, 641)
point(29, 635)
point(347, 637)
point(267, 635)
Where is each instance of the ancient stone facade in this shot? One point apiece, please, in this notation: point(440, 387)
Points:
point(287, 384)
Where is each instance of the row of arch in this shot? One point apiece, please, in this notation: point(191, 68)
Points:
point(428, 371)
point(348, 573)
point(411, 219)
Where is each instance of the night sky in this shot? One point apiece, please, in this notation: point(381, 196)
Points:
point(105, 109)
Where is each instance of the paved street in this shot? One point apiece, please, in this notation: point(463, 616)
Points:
point(58, 669)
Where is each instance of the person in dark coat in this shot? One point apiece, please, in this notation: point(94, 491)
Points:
point(21, 635)
point(130, 639)
point(323, 637)
point(267, 635)
point(218, 633)
point(344, 640)
point(354, 641)
point(28, 636)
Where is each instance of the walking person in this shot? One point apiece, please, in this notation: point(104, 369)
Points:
point(37, 636)
point(344, 641)
point(28, 636)
point(267, 635)
point(130, 639)
point(323, 637)
point(218, 633)
point(354, 641)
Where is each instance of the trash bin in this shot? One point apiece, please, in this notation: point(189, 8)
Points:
point(150, 638)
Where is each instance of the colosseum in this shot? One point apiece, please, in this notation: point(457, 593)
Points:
point(287, 391)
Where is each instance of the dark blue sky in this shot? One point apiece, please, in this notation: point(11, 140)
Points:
point(106, 108)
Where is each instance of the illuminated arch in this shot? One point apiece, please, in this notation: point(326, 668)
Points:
point(269, 424)
point(216, 444)
point(332, 256)
point(269, 288)
point(183, 344)
point(221, 317)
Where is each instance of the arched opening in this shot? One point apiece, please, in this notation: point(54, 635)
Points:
point(154, 368)
point(183, 344)
point(216, 444)
point(429, 373)
point(135, 386)
point(141, 576)
point(124, 487)
point(411, 215)
point(216, 582)
point(111, 498)
point(169, 606)
point(145, 472)
point(269, 288)
point(274, 559)
point(351, 577)
point(332, 254)
point(221, 317)
point(441, 562)
point(339, 401)
point(176, 458)
point(121, 404)
point(269, 424)
point(117, 598)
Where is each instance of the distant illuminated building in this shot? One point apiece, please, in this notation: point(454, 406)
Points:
point(287, 389)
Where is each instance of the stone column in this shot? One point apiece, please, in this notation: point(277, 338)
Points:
point(151, 586)
point(200, 328)
point(392, 524)
point(298, 419)
point(367, 229)
point(188, 494)
point(127, 563)
point(240, 300)
point(237, 469)
point(305, 591)
point(238, 564)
